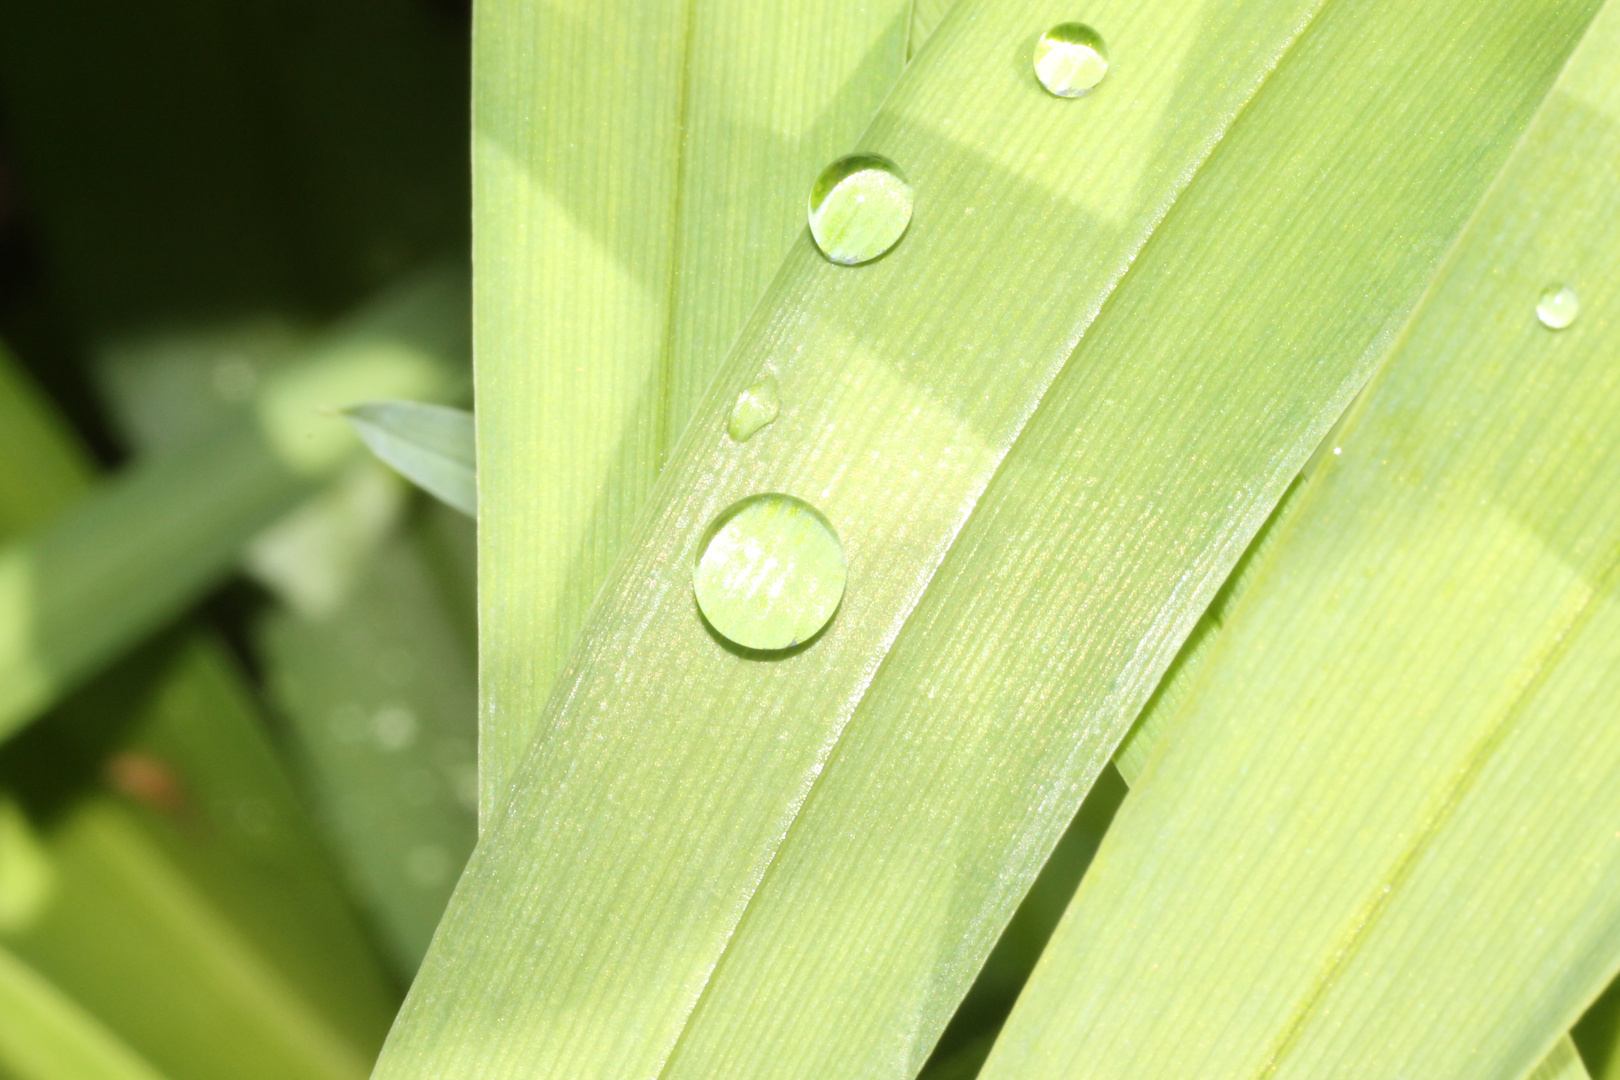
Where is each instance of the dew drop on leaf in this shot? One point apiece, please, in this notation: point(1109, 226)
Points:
point(859, 208)
point(1070, 60)
point(1558, 307)
point(769, 572)
point(756, 407)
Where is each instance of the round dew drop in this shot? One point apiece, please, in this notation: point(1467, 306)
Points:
point(1070, 60)
point(769, 572)
point(1558, 307)
point(859, 208)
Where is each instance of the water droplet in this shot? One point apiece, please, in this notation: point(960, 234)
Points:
point(1070, 59)
point(770, 572)
point(756, 407)
point(1559, 306)
point(859, 208)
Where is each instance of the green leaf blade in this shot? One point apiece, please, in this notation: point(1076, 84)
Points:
point(927, 405)
point(1200, 391)
point(1377, 838)
point(432, 446)
point(623, 234)
point(46, 1036)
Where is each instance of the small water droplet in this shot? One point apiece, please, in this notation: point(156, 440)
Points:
point(756, 407)
point(859, 208)
point(1559, 306)
point(1070, 60)
point(769, 572)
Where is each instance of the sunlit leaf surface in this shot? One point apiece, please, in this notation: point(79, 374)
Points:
point(640, 168)
point(902, 386)
point(1378, 837)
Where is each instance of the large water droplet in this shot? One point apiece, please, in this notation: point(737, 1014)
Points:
point(1558, 307)
point(769, 572)
point(1070, 59)
point(859, 208)
point(756, 407)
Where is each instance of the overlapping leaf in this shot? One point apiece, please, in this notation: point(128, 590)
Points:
point(1378, 836)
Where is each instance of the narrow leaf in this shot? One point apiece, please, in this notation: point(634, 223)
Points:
point(45, 1036)
point(432, 446)
point(381, 694)
point(1379, 836)
point(1199, 393)
point(198, 800)
point(622, 234)
point(903, 383)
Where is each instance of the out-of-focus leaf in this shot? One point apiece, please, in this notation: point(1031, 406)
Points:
point(45, 1036)
point(1216, 367)
point(273, 978)
point(43, 472)
point(313, 557)
point(622, 234)
point(382, 695)
point(89, 584)
point(1379, 836)
point(432, 446)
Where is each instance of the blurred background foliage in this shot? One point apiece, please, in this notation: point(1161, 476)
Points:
point(223, 851)
point(223, 854)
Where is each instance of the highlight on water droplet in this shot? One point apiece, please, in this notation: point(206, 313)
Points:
point(1070, 59)
point(859, 208)
point(756, 407)
point(1558, 307)
point(769, 572)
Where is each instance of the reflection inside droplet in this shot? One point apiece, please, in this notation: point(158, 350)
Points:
point(769, 572)
point(1070, 60)
point(1558, 307)
point(859, 208)
point(756, 407)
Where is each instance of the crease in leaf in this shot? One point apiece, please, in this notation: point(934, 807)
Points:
point(622, 236)
point(1385, 783)
point(432, 446)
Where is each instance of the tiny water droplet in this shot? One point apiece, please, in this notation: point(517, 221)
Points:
point(1559, 306)
point(756, 407)
point(859, 208)
point(1070, 60)
point(769, 572)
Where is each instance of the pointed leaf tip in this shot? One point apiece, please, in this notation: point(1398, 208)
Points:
point(432, 446)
